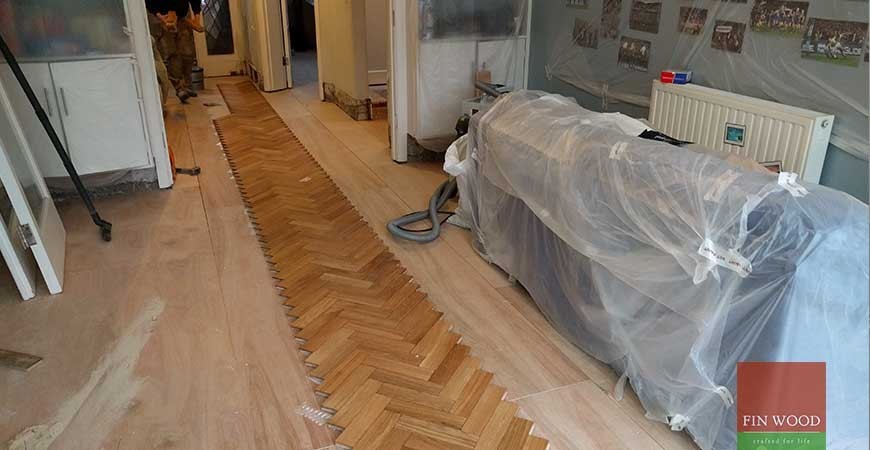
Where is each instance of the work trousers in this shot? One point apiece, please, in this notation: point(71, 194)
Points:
point(178, 50)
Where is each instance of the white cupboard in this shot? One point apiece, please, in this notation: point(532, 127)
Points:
point(95, 107)
point(39, 76)
point(93, 72)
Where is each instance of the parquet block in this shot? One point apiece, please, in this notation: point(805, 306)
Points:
point(392, 370)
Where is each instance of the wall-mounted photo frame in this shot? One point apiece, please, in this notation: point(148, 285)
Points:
point(735, 134)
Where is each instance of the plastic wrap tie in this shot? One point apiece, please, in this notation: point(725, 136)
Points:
point(619, 389)
point(679, 422)
point(725, 395)
point(789, 182)
point(729, 259)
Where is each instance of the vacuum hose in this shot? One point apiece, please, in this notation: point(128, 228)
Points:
point(439, 198)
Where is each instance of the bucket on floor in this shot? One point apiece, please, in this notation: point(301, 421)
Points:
point(197, 79)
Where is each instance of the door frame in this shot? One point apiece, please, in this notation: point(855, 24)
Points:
point(288, 52)
point(149, 92)
point(317, 39)
point(398, 70)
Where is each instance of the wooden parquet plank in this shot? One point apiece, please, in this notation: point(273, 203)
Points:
point(388, 363)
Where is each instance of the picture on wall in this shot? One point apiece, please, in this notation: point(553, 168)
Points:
point(580, 4)
point(834, 41)
point(692, 20)
point(645, 16)
point(728, 36)
point(781, 17)
point(585, 33)
point(634, 54)
point(610, 19)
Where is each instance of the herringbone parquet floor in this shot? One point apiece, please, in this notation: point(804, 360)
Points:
point(391, 371)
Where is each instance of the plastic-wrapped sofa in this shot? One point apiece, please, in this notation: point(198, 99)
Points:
point(671, 265)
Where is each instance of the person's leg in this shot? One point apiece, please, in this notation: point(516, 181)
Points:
point(187, 52)
point(162, 74)
point(155, 27)
point(174, 64)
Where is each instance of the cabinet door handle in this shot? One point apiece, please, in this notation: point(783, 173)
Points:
point(47, 101)
point(63, 98)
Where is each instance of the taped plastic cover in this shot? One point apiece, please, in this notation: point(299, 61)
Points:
point(672, 265)
point(769, 65)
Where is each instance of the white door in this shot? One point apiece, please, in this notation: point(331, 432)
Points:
point(99, 103)
point(218, 49)
point(31, 214)
point(39, 77)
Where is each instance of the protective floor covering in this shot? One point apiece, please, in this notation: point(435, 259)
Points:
point(387, 363)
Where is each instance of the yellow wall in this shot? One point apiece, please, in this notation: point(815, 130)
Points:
point(342, 46)
point(377, 34)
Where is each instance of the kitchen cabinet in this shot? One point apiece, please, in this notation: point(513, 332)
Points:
point(39, 76)
point(102, 118)
point(91, 66)
point(95, 108)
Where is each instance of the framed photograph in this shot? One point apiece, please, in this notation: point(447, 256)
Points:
point(585, 33)
point(692, 20)
point(579, 4)
point(735, 134)
point(779, 17)
point(634, 54)
point(645, 16)
point(728, 36)
point(834, 41)
point(610, 19)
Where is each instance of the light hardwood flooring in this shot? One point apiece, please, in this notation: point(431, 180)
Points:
point(215, 364)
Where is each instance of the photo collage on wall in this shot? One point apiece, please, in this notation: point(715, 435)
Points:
point(835, 41)
point(585, 33)
point(634, 54)
point(729, 36)
point(610, 19)
point(692, 20)
point(645, 16)
point(779, 17)
point(830, 41)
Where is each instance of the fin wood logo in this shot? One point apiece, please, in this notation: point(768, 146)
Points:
point(780, 406)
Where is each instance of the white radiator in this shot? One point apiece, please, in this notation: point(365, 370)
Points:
point(762, 130)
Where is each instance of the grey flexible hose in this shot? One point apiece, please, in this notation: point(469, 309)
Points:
point(438, 199)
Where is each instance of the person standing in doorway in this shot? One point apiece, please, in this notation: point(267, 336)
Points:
point(178, 19)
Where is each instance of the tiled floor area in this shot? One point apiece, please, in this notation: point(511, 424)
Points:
point(172, 336)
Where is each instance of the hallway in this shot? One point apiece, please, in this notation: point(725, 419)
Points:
point(184, 296)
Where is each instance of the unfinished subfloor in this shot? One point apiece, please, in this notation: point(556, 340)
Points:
point(173, 336)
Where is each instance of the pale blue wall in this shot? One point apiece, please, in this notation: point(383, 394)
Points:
point(842, 171)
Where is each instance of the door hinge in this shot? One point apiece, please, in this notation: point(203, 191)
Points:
point(28, 239)
point(285, 60)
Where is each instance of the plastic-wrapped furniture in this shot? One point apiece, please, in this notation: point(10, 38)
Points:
point(672, 265)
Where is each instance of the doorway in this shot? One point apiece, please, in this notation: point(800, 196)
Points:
point(218, 48)
point(301, 33)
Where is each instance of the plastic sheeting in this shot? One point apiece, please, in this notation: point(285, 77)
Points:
point(770, 65)
point(672, 265)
